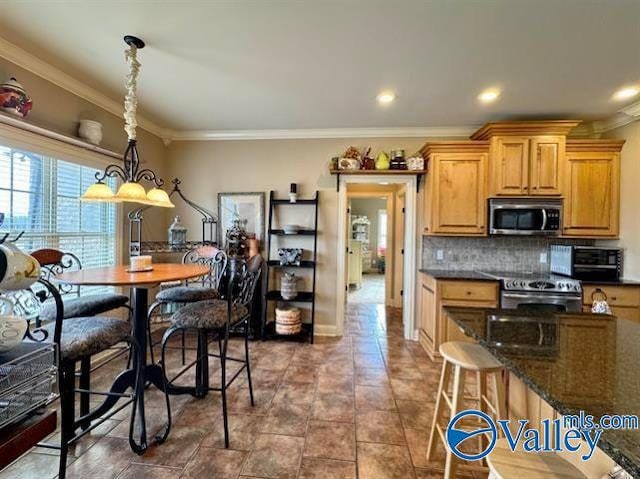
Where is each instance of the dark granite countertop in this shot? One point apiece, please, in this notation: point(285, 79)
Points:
point(620, 282)
point(494, 275)
point(574, 361)
point(460, 274)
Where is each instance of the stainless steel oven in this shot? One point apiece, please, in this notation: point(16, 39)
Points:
point(525, 216)
point(541, 301)
point(539, 292)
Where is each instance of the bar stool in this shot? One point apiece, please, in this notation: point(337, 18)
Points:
point(465, 358)
point(505, 464)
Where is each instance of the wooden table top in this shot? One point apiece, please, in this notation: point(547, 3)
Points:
point(119, 276)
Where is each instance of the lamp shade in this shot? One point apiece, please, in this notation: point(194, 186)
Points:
point(99, 192)
point(159, 197)
point(132, 192)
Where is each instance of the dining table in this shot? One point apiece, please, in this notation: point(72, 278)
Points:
point(140, 374)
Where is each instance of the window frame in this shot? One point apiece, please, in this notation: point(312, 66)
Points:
point(29, 141)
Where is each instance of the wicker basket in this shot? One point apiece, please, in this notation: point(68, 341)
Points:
point(288, 321)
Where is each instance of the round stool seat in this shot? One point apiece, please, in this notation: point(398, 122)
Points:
point(505, 464)
point(469, 356)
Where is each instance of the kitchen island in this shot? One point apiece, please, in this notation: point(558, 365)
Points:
point(572, 362)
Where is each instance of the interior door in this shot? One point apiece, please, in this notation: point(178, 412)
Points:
point(398, 264)
point(347, 253)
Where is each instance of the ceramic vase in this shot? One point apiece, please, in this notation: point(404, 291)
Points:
point(12, 327)
point(18, 270)
point(288, 286)
point(91, 131)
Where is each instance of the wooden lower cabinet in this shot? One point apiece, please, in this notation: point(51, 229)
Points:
point(523, 403)
point(624, 300)
point(435, 327)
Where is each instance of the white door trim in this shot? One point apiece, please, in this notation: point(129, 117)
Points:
point(410, 239)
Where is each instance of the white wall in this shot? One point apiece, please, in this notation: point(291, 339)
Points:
point(207, 168)
point(629, 197)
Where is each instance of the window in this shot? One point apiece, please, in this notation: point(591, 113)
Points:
point(39, 195)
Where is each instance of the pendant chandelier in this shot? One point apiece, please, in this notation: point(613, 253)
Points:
point(131, 189)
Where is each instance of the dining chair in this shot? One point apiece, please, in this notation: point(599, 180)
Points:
point(199, 289)
point(77, 304)
point(214, 319)
point(77, 340)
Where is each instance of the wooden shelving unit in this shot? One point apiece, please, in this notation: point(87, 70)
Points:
point(417, 173)
point(274, 295)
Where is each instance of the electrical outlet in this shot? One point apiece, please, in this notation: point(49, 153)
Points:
point(439, 255)
point(543, 258)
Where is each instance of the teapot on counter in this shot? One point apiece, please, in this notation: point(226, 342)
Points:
point(18, 270)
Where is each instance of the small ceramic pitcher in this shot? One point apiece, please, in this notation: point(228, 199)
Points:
point(18, 270)
point(12, 327)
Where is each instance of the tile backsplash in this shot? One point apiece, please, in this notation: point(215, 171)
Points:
point(493, 253)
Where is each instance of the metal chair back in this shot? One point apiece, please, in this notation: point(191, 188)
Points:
point(244, 283)
point(215, 259)
point(54, 262)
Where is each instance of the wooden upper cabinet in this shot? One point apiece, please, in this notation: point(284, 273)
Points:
point(527, 166)
point(526, 158)
point(547, 165)
point(592, 188)
point(455, 194)
point(509, 166)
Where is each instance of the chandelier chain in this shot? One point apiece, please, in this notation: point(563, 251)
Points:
point(131, 99)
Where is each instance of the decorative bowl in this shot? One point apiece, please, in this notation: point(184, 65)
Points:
point(290, 229)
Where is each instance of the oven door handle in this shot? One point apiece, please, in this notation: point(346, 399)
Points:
point(544, 219)
point(546, 296)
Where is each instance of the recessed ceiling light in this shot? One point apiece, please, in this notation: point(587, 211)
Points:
point(384, 182)
point(626, 93)
point(386, 97)
point(490, 95)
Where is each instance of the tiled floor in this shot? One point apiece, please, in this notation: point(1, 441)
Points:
point(359, 406)
point(371, 291)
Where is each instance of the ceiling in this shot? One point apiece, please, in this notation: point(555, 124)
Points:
point(298, 64)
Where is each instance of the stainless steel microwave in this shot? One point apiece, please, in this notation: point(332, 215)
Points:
point(525, 216)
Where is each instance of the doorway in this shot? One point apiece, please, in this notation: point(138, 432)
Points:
point(376, 226)
point(367, 238)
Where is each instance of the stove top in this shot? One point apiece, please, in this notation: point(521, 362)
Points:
point(540, 282)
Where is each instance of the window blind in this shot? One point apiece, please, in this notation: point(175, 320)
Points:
point(40, 196)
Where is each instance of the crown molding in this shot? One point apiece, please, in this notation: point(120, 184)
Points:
point(624, 116)
point(35, 65)
point(323, 133)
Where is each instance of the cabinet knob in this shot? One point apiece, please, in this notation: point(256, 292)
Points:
point(468, 293)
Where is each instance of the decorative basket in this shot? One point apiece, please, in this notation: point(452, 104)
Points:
point(288, 321)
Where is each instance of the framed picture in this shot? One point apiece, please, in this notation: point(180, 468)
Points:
point(244, 206)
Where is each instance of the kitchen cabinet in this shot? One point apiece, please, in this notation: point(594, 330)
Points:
point(455, 197)
point(524, 403)
point(592, 188)
point(624, 300)
point(579, 372)
point(435, 327)
point(526, 166)
point(526, 158)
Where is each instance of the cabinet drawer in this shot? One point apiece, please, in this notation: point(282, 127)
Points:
point(616, 295)
point(470, 290)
